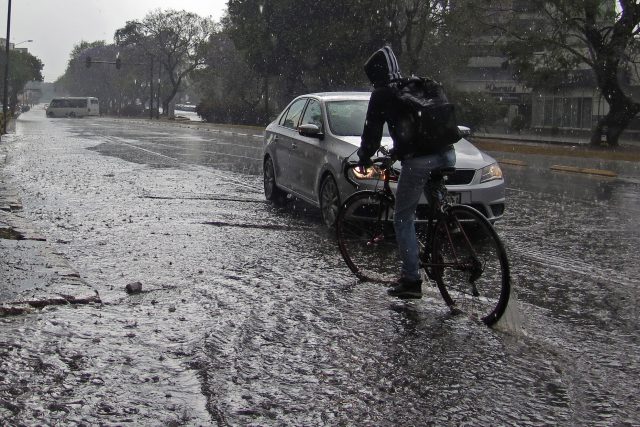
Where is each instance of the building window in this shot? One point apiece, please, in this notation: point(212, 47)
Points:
point(562, 112)
point(548, 112)
point(587, 113)
point(537, 113)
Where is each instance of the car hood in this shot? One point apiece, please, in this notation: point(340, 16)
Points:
point(468, 156)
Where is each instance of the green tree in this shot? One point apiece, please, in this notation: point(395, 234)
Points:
point(119, 90)
point(23, 67)
point(429, 36)
point(572, 35)
point(177, 40)
point(294, 53)
point(476, 109)
point(96, 80)
point(231, 92)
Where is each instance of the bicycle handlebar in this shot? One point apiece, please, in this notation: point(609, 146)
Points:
point(386, 160)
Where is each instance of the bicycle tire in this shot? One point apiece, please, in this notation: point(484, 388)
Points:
point(366, 237)
point(480, 289)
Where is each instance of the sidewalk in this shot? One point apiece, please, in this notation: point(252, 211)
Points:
point(32, 274)
point(552, 140)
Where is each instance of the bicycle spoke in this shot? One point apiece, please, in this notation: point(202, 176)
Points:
point(366, 238)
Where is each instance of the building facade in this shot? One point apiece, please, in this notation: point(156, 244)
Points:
point(574, 107)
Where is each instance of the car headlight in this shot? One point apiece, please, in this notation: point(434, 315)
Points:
point(491, 172)
point(375, 173)
point(371, 172)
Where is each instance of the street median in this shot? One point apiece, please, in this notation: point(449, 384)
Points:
point(588, 171)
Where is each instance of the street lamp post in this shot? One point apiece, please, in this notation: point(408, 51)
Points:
point(6, 73)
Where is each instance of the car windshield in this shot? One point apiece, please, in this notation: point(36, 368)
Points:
point(346, 118)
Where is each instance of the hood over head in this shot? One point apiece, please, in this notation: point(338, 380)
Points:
point(382, 67)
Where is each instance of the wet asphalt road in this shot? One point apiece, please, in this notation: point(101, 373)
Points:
point(249, 316)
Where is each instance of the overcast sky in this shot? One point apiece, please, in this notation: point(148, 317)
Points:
point(56, 26)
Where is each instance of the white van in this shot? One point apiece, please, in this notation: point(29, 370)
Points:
point(73, 107)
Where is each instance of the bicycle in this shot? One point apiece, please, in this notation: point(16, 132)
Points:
point(459, 248)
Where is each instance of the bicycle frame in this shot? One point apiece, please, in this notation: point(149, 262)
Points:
point(438, 205)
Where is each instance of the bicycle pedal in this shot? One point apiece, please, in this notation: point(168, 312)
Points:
point(375, 240)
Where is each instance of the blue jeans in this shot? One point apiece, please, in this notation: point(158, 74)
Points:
point(412, 183)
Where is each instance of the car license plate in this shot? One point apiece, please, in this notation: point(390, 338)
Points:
point(454, 198)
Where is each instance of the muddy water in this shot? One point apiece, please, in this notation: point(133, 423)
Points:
point(249, 317)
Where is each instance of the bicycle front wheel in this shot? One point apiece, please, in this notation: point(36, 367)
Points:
point(366, 237)
point(470, 264)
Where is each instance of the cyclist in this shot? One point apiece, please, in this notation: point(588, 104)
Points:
point(417, 161)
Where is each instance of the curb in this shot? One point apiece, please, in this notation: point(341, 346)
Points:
point(588, 171)
point(564, 168)
point(512, 162)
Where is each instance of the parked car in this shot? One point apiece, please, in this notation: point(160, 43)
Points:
point(304, 150)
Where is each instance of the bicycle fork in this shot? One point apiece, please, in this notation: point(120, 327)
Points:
point(383, 218)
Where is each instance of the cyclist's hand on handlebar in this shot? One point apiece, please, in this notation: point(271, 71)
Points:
point(362, 166)
point(364, 161)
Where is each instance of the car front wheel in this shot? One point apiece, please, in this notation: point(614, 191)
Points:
point(271, 190)
point(329, 201)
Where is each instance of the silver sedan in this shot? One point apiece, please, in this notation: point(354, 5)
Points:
point(306, 145)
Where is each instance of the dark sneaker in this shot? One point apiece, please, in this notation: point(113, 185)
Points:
point(406, 289)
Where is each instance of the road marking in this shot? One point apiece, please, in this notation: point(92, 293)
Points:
point(512, 162)
point(148, 151)
point(573, 169)
point(226, 177)
point(188, 149)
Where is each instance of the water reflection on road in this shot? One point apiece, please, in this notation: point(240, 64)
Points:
point(251, 317)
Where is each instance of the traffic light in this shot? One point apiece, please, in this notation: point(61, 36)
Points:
point(88, 61)
point(118, 63)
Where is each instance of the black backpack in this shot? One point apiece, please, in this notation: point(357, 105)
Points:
point(432, 116)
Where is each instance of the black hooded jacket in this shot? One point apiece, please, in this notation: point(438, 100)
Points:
point(385, 107)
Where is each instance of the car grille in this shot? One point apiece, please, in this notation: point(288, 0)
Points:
point(461, 177)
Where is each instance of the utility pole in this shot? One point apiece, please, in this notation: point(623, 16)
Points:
point(151, 88)
point(5, 96)
point(159, 85)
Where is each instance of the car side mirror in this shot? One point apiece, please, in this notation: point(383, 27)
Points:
point(310, 130)
point(464, 131)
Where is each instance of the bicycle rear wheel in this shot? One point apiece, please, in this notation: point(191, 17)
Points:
point(366, 237)
point(470, 264)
